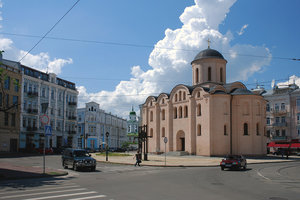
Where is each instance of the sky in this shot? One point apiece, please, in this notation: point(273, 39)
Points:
point(120, 52)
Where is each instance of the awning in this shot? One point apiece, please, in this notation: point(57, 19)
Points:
point(284, 145)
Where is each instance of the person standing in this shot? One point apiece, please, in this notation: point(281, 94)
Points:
point(138, 157)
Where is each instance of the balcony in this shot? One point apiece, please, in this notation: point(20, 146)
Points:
point(279, 112)
point(32, 94)
point(29, 128)
point(71, 132)
point(279, 138)
point(72, 117)
point(279, 124)
point(72, 103)
point(32, 110)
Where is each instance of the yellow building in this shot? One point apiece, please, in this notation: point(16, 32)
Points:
point(209, 118)
point(10, 104)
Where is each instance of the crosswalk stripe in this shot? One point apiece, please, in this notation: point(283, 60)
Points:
point(63, 195)
point(40, 189)
point(90, 197)
point(39, 193)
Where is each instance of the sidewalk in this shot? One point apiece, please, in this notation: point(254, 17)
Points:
point(12, 172)
point(187, 161)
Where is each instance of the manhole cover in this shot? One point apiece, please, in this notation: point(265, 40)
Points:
point(277, 198)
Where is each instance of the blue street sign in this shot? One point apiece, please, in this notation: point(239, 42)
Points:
point(48, 131)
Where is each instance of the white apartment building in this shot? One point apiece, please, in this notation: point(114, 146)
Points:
point(94, 123)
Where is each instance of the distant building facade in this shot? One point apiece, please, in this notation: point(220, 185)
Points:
point(283, 113)
point(209, 118)
point(10, 104)
point(132, 127)
point(93, 123)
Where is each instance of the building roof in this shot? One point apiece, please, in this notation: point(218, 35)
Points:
point(208, 53)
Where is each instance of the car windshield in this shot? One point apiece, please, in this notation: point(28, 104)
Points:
point(232, 157)
point(80, 154)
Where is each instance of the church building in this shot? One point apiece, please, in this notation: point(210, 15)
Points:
point(209, 118)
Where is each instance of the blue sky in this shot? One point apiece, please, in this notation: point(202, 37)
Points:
point(118, 76)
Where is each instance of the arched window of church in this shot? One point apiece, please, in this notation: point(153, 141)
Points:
point(221, 75)
point(163, 114)
point(185, 111)
point(151, 116)
point(163, 132)
point(225, 130)
point(197, 75)
point(175, 97)
point(180, 112)
point(199, 109)
point(163, 101)
point(180, 95)
point(257, 129)
point(209, 74)
point(198, 94)
point(151, 132)
point(184, 96)
point(198, 130)
point(175, 113)
point(246, 129)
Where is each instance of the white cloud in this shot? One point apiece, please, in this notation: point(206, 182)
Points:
point(171, 65)
point(241, 32)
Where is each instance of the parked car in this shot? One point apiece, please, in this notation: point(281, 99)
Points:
point(90, 150)
point(78, 159)
point(47, 150)
point(233, 162)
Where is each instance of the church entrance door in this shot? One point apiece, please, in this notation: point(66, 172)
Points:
point(180, 141)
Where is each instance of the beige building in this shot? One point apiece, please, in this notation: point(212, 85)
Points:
point(209, 118)
point(10, 104)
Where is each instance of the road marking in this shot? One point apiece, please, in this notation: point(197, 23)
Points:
point(23, 195)
point(262, 176)
point(41, 189)
point(90, 197)
point(63, 195)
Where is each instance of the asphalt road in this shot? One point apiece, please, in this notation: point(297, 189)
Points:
point(274, 181)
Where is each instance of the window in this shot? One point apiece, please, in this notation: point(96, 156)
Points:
point(175, 113)
point(277, 119)
point(268, 107)
point(43, 92)
point(197, 75)
point(7, 83)
point(184, 96)
point(59, 96)
point(52, 94)
point(225, 130)
point(198, 94)
point(25, 87)
point(13, 119)
point(298, 118)
point(298, 131)
point(24, 121)
point(151, 116)
point(198, 130)
point(180, 112)
point(199, 109)
point(15, 100)
point(298, 104)
point(180, 93)
point(245, 129)
point(7, 100)
point(6, 118)
point(16, 85)
point(59, 112)
point(175, 97)
point(268, 133)
point(276, 107)
point(221, 75)
point(282, 106)
point(163, 114)
point(163, 132)
point(257, 129)
point(30, 88)
point(282, 119)
point(283, 132)
point(277, 132)
point(185, 111)
point(151, 132)
point(209, 74)
point(163, 101)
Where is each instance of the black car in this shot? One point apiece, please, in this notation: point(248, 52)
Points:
point(77, 159)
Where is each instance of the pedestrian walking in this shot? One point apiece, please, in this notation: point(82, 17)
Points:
point(138, 157)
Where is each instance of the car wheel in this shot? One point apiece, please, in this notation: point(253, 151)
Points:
point(75, 168)
point(222, 168)
point(64, 165)
point(245, 167)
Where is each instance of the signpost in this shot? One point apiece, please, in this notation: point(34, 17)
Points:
point(48, 132)
point(165, 141)
point(107, 134)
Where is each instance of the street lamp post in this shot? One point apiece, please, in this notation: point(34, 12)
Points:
point(107, 134)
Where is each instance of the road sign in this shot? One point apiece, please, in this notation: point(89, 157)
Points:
point(48, 131)
point(165, 139)
point(44, 119)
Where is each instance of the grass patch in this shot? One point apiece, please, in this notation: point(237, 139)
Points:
point(113, 154)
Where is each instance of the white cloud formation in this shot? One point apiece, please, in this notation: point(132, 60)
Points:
point(170, 59)
point(241, 32)
point(41, 61)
